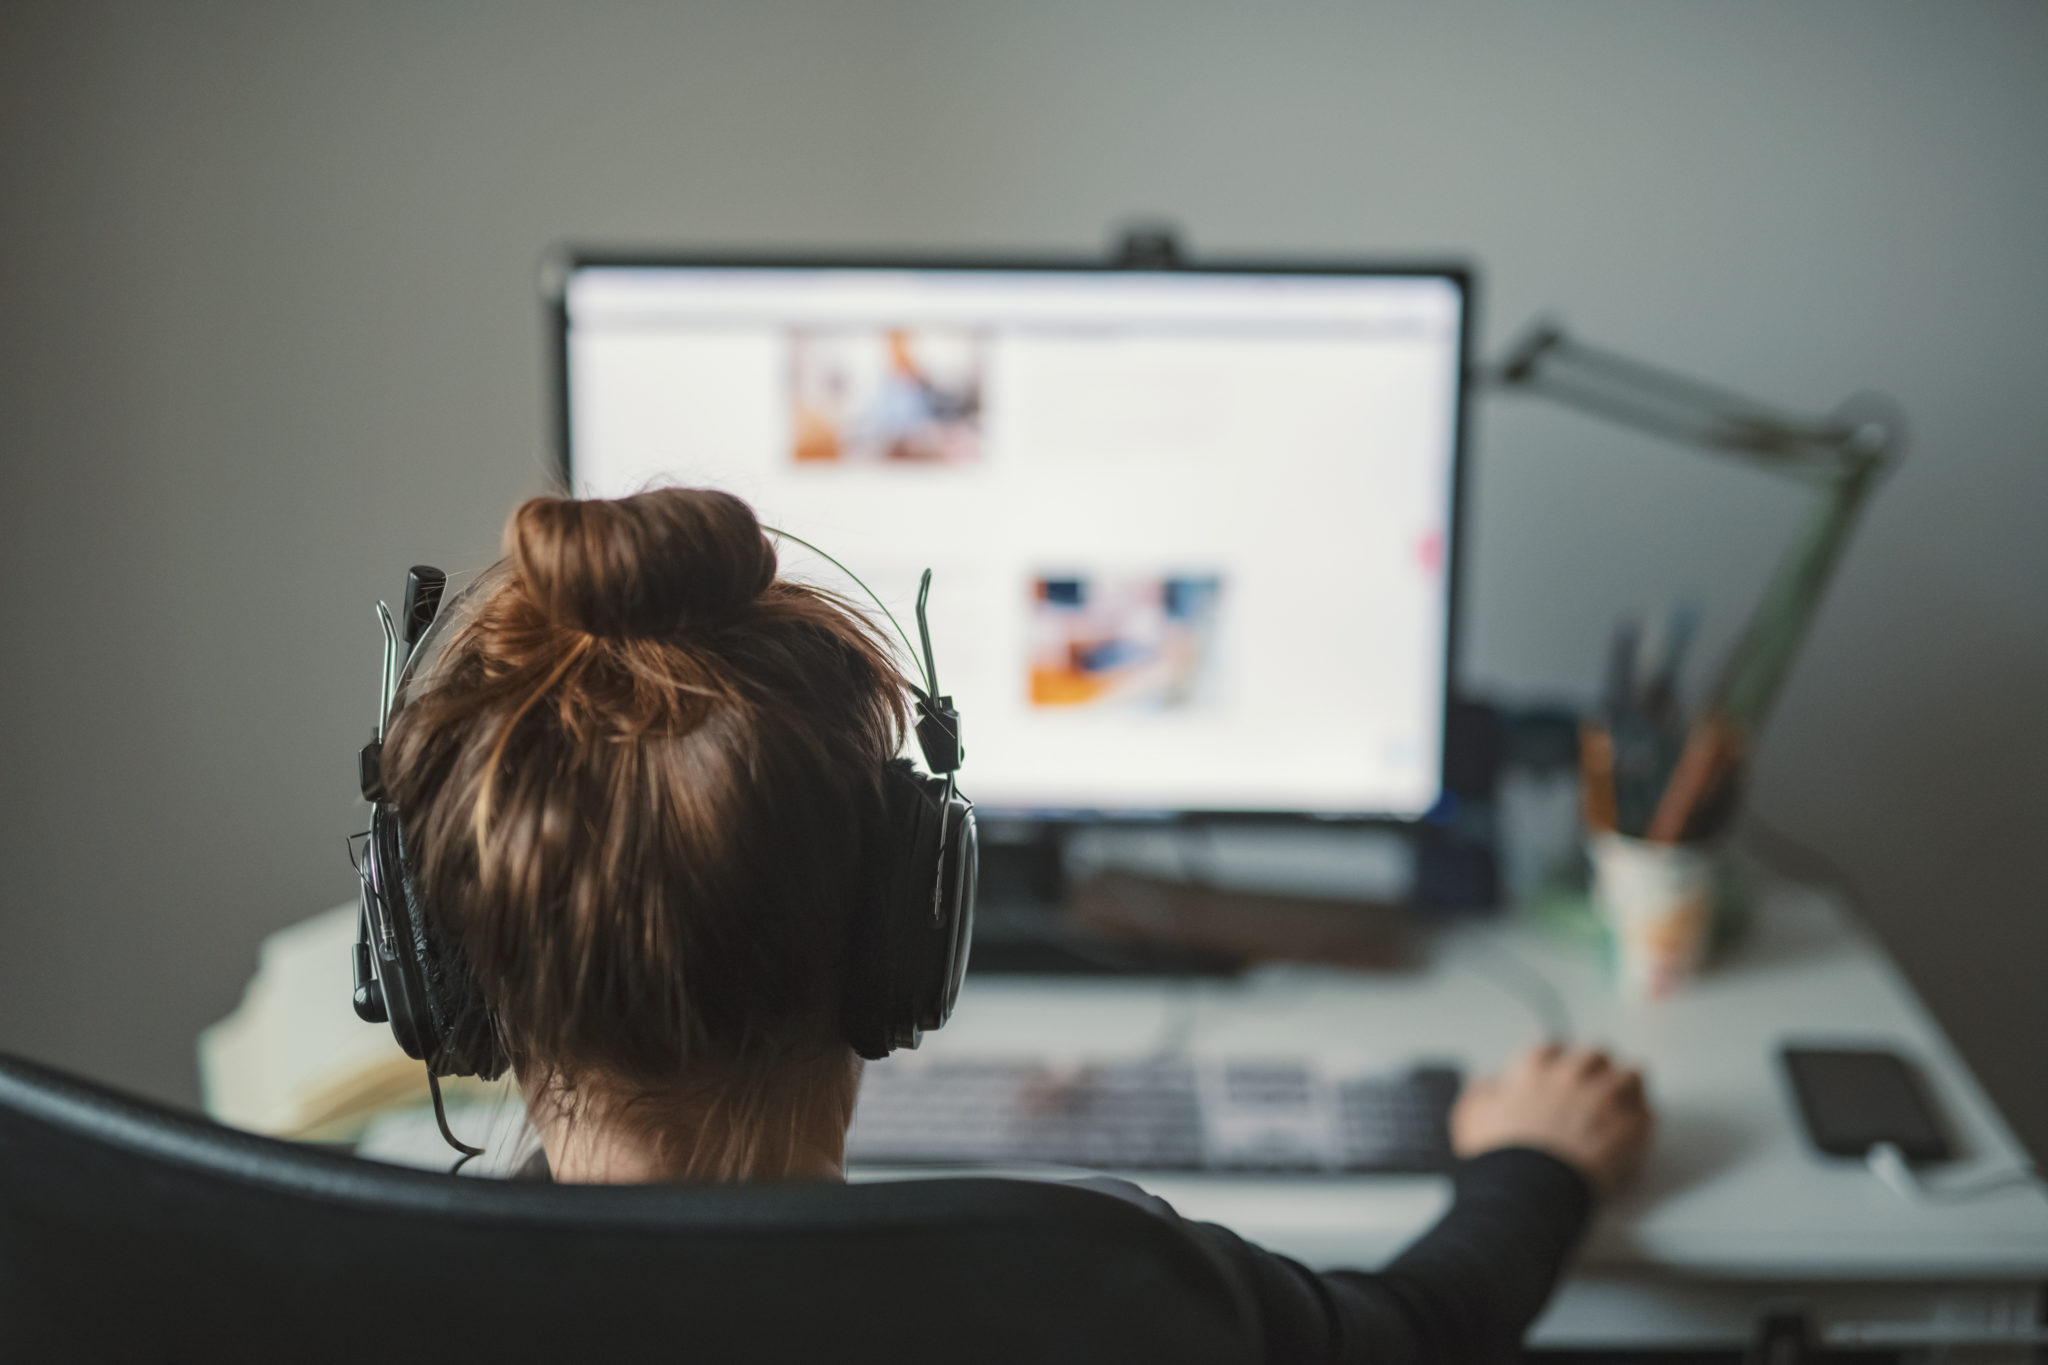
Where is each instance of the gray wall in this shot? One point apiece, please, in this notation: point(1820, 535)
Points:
point(268, 331)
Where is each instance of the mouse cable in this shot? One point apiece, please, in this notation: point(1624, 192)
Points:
point(1793, 857)
point(1534, 991)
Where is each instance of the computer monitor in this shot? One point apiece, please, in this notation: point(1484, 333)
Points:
point(1193, 531)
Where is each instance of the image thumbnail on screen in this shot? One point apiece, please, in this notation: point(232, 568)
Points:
point(876, 395)
point(1124, 642)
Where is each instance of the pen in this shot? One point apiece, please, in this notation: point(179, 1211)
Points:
point(1708, 763)
point(1596, 772)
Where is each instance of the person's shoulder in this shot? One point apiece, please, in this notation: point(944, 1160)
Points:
point(1123, 1189)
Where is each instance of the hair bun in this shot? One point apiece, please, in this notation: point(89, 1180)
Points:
point(651, 564)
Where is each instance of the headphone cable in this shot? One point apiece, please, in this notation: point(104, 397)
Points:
point(448, 1135)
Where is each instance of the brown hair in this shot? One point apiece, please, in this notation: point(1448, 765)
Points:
point(639, 788)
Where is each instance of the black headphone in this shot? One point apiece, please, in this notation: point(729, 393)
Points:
point(909, 935)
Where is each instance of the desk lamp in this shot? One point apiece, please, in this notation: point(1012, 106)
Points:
point(1841, 456)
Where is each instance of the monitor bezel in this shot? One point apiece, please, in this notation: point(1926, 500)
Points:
point(563, 263)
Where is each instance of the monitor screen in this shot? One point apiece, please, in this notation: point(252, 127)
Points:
point(1191, 532)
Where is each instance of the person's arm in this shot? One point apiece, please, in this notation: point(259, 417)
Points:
point(1464, 1292)
point(1535, 1144)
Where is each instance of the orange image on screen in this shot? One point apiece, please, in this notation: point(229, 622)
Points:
point(1141, 643)
point(886, 395)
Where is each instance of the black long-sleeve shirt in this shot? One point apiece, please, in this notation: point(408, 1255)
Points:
point(1465, 1291)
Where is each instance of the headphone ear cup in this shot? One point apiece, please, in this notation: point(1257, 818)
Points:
point(398, 973)
point(961, 879)
point(876, 1017)
point(910, 942)
point(437, 1012)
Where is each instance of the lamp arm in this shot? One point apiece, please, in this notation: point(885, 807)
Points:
point(1762, 657)
point(1843, 454)
point(1601, 383)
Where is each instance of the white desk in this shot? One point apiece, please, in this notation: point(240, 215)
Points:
point(1733, 1210)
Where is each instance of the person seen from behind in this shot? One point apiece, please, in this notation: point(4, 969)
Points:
point(641, 788)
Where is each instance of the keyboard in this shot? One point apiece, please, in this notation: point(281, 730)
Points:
point(1243, 1115)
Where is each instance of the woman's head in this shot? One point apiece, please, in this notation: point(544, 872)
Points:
point(639, 789)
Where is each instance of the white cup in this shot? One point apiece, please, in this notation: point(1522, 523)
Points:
point(1658, 902)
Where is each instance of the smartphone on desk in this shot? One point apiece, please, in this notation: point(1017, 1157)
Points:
point(1852, 1099)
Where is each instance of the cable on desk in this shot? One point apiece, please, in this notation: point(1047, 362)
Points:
point(1184, 997)
point(1527, 985)
point(1824, 870)
point(1503, 966)
point(1889, 1165)
point(1184, 1004)
point(1177, 1029)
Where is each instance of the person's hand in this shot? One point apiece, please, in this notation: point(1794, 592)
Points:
point(1573, 1103)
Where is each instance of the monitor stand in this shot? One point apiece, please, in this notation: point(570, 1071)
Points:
point(1032, 918)
point(1020, 930)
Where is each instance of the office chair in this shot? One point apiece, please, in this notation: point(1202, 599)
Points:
point(129, 1231)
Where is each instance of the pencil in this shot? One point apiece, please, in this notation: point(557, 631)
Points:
point(1712, 751)
point(1596, 771)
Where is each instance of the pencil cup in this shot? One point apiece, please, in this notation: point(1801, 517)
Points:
point(1659, 903)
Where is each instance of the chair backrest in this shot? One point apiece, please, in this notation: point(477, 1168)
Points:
point(133, 1232)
